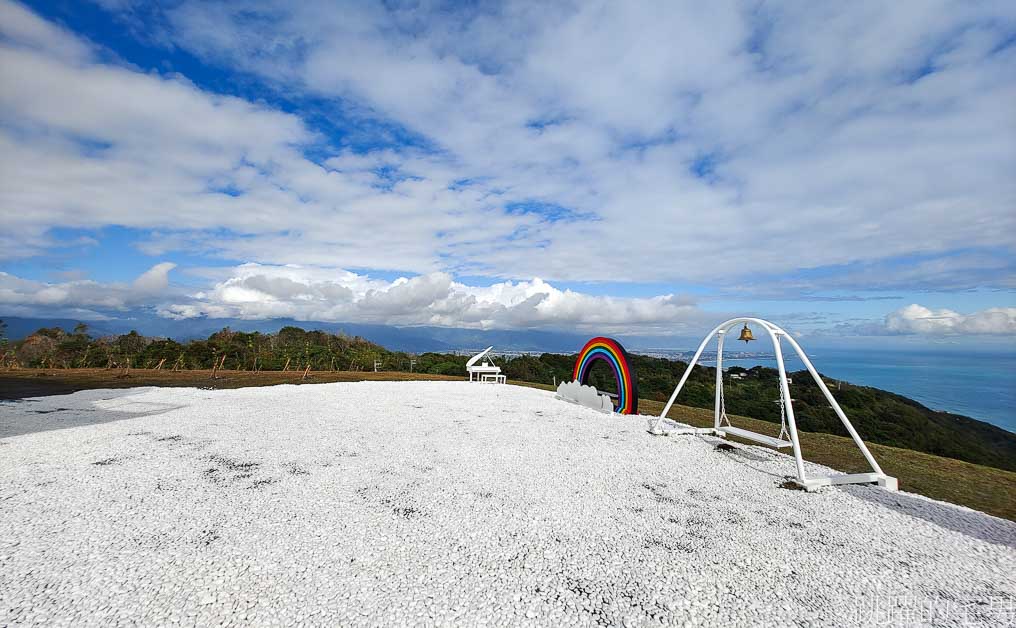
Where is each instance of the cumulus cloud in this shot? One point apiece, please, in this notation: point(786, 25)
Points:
point(155, 152)
point(847, 151)
point(82, 298)
point(155, 280)
point(313, 293)
point(694, 143)
point(255, 291)
point(22, 27)
point(917, 319)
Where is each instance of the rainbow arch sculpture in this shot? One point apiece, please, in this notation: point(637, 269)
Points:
point(611, 352)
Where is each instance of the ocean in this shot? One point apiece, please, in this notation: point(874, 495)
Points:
point(979, 385)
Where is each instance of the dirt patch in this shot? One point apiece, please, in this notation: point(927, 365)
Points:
point(295, 469)
point(398, 507)
point(667, 543)
point(406, 512)
point(657, 492)
point(228, 470)
point(33, 383)
point(232, 465)
point(207, 537)
point(791, 485)
point(262, 483)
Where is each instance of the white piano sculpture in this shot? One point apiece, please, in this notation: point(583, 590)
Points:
point(485, 371)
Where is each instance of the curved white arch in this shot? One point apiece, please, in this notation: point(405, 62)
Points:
point(776, 333)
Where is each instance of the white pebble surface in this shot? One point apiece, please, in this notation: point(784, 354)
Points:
point(446, 503)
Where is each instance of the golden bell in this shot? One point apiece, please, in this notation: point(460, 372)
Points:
point(746, 334)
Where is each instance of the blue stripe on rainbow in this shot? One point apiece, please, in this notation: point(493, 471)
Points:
point(611, 352)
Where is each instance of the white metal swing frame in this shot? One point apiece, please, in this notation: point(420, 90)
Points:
point(876, 476)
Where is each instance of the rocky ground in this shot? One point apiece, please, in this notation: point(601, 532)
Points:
point(448, 503)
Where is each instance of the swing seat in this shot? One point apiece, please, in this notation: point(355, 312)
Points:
point(754, 436)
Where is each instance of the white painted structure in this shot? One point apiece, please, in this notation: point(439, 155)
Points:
point(788, 432)
point(588, 396)
point(484, 369)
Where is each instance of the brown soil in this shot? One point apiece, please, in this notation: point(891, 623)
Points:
point(21, 383)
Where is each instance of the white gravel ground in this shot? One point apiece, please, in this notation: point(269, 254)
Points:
point(447, 503)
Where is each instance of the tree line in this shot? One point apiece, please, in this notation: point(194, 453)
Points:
point(290, 348)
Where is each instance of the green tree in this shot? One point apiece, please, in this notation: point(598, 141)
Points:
point(4, 343)
point(130, 345)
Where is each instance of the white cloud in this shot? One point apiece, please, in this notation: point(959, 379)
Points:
point(917, 319)
point(256, 291)
point(824, 144)
point(28, 297)
point(829, 147)
point(21, 27)
point(155, 280)
point(156, 152)
point(320, 294)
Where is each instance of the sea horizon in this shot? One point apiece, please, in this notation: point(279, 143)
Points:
point(976, 383)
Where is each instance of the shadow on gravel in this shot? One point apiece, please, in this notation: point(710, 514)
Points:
point(743, 457)
point(969, 522)
point(17, 419)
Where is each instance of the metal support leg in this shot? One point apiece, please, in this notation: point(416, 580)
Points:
point(785, 391)
point(720, 335)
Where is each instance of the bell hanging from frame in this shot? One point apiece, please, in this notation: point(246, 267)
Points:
point(746, 334)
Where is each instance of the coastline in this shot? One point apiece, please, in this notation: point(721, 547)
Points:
point(979, 385)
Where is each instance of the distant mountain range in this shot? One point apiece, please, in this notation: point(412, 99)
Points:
point(409, 339)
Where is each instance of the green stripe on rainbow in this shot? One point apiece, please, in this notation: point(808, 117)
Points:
point(611, 352)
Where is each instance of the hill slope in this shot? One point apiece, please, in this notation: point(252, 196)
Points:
point(879, 416)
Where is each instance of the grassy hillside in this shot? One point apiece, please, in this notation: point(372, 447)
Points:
point(878, 415)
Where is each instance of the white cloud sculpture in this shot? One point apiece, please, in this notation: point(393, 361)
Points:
point(583, 395)
point(917, 319)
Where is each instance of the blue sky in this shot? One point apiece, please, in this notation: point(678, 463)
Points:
point(845, 170)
